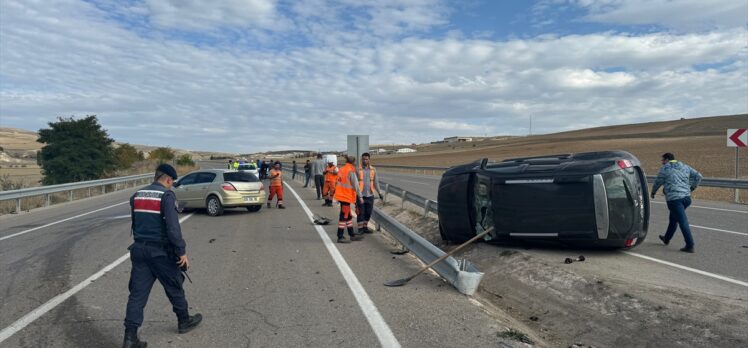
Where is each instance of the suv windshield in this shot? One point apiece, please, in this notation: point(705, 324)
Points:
point(247, 167)
point(240, 177)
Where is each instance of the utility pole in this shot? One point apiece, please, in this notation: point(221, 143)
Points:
point(530, 124)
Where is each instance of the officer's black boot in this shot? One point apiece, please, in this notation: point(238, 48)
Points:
point(186, 324)
point(132, 340)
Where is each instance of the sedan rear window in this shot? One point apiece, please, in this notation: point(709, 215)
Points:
point(240, 177)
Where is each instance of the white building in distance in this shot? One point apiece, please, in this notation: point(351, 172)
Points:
point(405, 150)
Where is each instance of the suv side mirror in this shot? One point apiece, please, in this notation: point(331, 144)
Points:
point(177, 184)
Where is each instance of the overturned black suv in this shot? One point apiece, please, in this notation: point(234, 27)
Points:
point(593, 198)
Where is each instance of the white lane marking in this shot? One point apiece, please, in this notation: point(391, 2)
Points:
point(61, 221)
point(704, 273)
point(710, 208)
point(377, 323)
point(120, 217)
point(29, 318)
point(718, 230)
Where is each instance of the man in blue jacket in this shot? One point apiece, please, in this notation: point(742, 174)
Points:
point(679, 180)
point(157, 253)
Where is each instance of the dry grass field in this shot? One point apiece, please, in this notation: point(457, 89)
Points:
point(699, 142)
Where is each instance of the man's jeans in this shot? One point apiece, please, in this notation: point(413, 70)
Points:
point(306, 179)
point(678, 217)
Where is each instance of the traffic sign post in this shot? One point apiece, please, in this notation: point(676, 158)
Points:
point(737, 138)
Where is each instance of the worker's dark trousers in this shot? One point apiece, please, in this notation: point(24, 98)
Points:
point(151, 262)
point(345, 220)
point(306, 179)
point(319, 182)
point(364, 214)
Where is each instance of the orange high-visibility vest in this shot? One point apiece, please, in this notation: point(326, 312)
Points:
point(330, 174)
point(372, 174)
point(344, 191)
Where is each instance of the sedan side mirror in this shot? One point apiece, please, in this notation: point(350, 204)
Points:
point(177, 184)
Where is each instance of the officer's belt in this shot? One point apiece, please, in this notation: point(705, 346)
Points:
point(153, 242)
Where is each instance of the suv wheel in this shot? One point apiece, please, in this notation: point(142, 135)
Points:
point(215, 207)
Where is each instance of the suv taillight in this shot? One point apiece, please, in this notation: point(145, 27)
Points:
point(228, 187)
point(624, 164)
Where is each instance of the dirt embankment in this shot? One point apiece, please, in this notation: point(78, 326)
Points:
point(565, 306)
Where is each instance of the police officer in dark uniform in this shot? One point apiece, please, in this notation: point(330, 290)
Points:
point(157, 253)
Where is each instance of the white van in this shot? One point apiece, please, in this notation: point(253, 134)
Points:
point(330, 158)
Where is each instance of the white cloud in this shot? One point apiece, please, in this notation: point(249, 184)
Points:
point(73, 59)
point(200, 15)
point(679, 14)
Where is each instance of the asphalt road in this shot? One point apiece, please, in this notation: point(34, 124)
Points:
point(265, 279)
point(720, 231)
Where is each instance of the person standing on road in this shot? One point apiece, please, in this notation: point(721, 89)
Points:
point(231, 164)
point(294, 168)
point(236, 165)
point(263, 168)
point(331, 178)
point(276, 185)
point(158, 252)
point(307, 173)
point(679, 181)
point(318, 168)
point(347, 193)
point(368, 183)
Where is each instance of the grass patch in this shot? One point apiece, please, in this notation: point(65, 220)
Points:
point(515, 335)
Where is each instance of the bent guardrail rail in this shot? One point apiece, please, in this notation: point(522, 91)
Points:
point(47, 191)
point(462, 274)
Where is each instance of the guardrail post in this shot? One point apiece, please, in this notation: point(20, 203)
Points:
point(89, 192)
point(402, 202)
point(18, 206)
point(48, 200)
point(426, 207)
point(103, 189)
point(72, 195)
point(386, 191)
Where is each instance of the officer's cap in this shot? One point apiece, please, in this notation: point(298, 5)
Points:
point(168, 170)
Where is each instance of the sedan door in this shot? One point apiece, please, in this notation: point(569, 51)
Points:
point(201, 188)
point(184, 190)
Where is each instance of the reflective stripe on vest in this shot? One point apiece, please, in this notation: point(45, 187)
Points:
point(148, 223)
point(344, 191)
point(372, 173)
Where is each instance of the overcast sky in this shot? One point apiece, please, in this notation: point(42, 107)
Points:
point(251, 75)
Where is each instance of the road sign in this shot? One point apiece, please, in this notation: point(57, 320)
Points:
point(737, 137)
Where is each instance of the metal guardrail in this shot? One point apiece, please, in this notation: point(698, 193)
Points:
point(47, 191)
point(461, 273)
point(705, 182)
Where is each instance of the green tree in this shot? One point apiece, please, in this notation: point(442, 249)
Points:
point(75, 150)
point(162, 154)
point(126, 155)
point(185, 160)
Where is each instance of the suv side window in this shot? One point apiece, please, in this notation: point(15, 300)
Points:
point(189, 179)
point(205, 178)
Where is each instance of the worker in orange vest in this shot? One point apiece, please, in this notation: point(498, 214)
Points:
point(276, 185)
point(347, 192)
point(368, 184)
point(331, 177)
